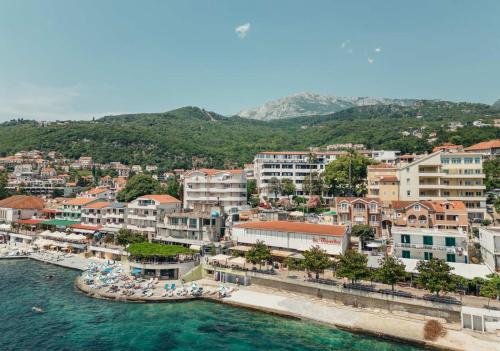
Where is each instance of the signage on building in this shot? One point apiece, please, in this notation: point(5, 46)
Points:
point(326, 241)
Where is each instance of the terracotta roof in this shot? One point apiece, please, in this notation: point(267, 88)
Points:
point(447, 146)
point(381, 165)
point(439, 206)
point(86, 227)
point(98, 205)
point(163, 199)
point(30, 221)
point(95, 191)
point(357, 199)
point(389, 178)
point(484, 145)
point(404, 204)
point(296, 227)
point(50, 210)
point(22, 202)
point(79, 201)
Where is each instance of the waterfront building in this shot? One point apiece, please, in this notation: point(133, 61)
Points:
point(72, 208)
point(358, 211)
point(226, 188)
point(104, 193)
point(426, 243)
point(196, 228)
point(92, 214)
point(143, 212)
point(292, 237)
point(454, 176)
point(489, 239)
point(489, 149)
point(19, 207)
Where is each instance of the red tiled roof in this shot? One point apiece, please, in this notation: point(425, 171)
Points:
point(95, 191)
point(382, 165)
point(357, 199)
point(296, 227)
point(446, 146)
point(484, 145)
point(163, 199)
point(98, 205)
point(211, 172)
point(22, 202)
point(389, 178)
point(79, 201)
point(30, 221)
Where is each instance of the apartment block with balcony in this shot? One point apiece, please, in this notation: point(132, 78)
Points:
point(72, 208)
point(358, 210)
point(452, 176)
point(489, 239)
point(111, 215)
point(426, 243)
point(428, 214)
point(143, 213)
point(383, 183)
point(226, 188)
point(195, 228)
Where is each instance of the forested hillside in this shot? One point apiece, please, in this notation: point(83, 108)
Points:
point(191, 136)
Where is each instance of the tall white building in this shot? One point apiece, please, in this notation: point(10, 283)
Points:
point(489, 239)
point(227, 188)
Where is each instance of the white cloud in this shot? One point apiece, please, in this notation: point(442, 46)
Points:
point(242, 30)
point(370, 60)
point(377, 50)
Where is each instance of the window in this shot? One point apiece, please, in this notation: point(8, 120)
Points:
point(427, 255)
point(408, 193)
point(416, 208)
point(445, 160)
point(450, 242)
point(428, 240)
point(412, 219)
point(405, 254)
point(343, 206)
point(450, 258)
point(477, 160)
point(373, 207)
point(468, 160)
point(405, 238)
point(456, 161)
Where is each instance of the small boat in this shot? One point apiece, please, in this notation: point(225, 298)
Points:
point(37, 309)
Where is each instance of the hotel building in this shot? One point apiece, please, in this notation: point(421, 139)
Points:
point(358, 211)
point(425, 243)
point(293, 237)
point(489, 239)
point(226, 188)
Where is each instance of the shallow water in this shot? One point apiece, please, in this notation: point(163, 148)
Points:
point(73, 321)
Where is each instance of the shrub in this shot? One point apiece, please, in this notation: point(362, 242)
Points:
point(433, 330)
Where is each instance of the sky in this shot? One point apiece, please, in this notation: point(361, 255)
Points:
point(68, 59)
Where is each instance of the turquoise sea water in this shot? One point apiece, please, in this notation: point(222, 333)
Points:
point(73, 321)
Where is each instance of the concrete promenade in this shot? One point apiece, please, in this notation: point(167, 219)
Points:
point(401, 325)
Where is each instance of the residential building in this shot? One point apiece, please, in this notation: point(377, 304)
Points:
point(48, 172)
point(151, 168)
point(386, 156)
point(19, 207)
point(489, 239)
point(115, 215)
point(489, 149)
point(92, 214)
point(359, 211)
point(445, 176)
point(427, 243)
point(143, 212)
point(195, 228)
point(382, 182)
point(448, 147)
point(227, 188)
point(72, 208)
point(293, 237)
point(440, 214)
point(104, 193)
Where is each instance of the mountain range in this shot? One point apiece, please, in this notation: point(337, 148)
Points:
point(311, 104)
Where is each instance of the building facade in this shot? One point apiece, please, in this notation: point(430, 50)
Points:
point(489, 239)
point(226, 188)
point(19, 207)
point(359, 211)
point(424, 244)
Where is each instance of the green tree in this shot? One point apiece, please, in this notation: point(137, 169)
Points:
point(4, 179)
point(138, 185)
point(126, 236)
point(173, 187)
point(353, 265)
point(299, 200)
point(287, 187)
point(212, 250)
point(491, 288)
point(258, 254)
point(274, 186)
point(346, 176)
point(391, 270)
point(363, 232)
point(316, 260)
point(435, 275)
point(251, 188)
point(491, 169)
point(313, 184)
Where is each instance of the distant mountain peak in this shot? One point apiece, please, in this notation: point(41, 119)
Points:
point(496, 105)
point(309, 103)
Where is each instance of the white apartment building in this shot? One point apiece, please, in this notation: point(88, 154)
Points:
point(226, 188)
point(115, 215)
point(144, 212)
point(427, 243)
point(489, 239)
point(445, 176)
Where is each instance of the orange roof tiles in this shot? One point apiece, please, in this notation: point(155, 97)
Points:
point(22, 202)
point(355, 199)
point(381, 165)
point(96, 205)
point(296, 227)
point(96, 191)
point(86, 227)
point(79, 201)
point(211, 172)
point(163, 199)
point(484, 145)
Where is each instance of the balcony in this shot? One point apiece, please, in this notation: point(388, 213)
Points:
point(448, 249)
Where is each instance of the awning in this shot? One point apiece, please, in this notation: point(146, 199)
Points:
point(30, 221)
point(83, 228)
point(329, 213)
point(297, 214)
point(238, 261)
point(136, 271)
point(281, 253)
point(59, 222)
point(195, 247)
point(240, 248)
point(298, 256)
point(219, 258)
